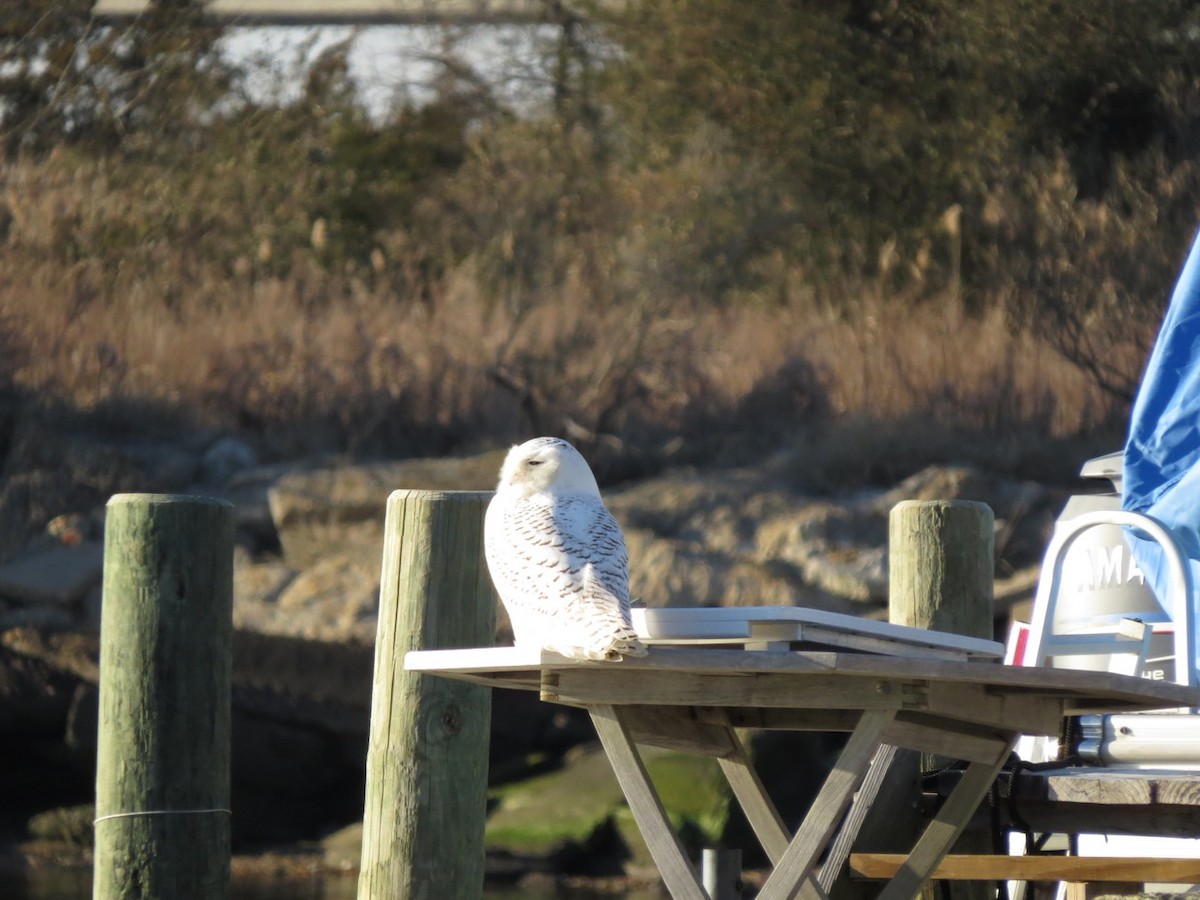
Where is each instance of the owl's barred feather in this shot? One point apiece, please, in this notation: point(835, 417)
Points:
point(557, 556)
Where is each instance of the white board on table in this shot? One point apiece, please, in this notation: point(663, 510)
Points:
point(798, 623)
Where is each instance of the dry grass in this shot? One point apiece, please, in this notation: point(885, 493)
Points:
point(321, 358)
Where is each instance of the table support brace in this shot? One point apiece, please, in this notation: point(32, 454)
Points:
point(664, 844)
point(945, 828)
point(794, 871)
point(752, 797)
point(839, 850)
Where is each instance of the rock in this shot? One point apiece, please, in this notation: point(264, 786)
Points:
point(740, 539)
point(74, 654)
point(335, 599)
point(287, 679)
point(65, 824)
point(692, 542)
point(666, 572)
point(34, 695)
point(298, 706)
point(51, 470)
point(10, 414)
point(268, 817)
point(37, 770)
point(224, 458)
point(330, 510)
point(1025, 511)
point(745, 538)
point(841, 551)
point(1014, 594)
point(162, 467)
point(90, 609)
point(343, 849)
point(529, 736)
point(28, 500)
point(719, 510)
point(257, 586)
point(773, 582)
point(963, 483)
point(59, 576)
point(247, 490)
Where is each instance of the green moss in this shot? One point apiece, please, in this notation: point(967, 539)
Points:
point(535, 815)
point(539, 814)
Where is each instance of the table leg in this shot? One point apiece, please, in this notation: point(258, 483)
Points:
point(794, 870)
point(839, 850)
point(664, 845)
point(945, 828)
point(752, 797)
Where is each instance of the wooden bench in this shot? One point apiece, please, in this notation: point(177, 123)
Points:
point(1089, 875)
point(1094, 799)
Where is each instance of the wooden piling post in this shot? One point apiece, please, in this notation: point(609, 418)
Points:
point(941, 566)
point(940, 576)
point(427, 757)
point(941, 573)
point(162, 769)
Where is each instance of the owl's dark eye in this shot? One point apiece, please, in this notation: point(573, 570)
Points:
point(533, 462)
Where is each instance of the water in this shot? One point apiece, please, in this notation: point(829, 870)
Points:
point(76, 884)
point(46, 884)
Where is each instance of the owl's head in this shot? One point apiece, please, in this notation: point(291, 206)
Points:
point(546, 465)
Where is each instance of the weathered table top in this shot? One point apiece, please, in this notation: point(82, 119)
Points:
point(940, 704)
point(752, 679)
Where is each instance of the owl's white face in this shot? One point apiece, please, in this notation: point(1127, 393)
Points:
point(546, 465)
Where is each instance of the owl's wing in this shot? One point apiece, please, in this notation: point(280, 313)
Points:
point(559, 559)
point(527, 556)
point(605, 571)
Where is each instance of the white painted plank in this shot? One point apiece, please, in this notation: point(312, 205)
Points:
point(674, 623)
point(474, 659)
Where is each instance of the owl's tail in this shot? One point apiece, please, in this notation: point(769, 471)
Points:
point(614, 644)
point(624, 643)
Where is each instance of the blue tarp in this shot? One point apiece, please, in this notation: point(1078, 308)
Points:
point(1161, 465)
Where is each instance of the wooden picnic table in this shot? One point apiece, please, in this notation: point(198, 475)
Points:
point(694, 696)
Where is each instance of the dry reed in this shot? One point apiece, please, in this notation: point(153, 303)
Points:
point(321, 358)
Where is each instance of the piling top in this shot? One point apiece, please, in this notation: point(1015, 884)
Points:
point(160, 499)
point(946, 504)
point(434, 496)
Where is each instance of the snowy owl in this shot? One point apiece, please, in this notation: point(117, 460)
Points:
point(557, 556)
